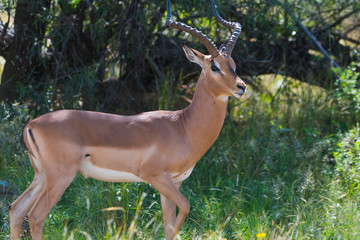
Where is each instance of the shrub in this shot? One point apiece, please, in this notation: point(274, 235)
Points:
point(347, 158)
point(347, 93)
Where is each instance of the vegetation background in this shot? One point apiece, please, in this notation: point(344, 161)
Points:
point(287, 162)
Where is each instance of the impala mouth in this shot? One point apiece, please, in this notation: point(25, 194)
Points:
point(239, 93)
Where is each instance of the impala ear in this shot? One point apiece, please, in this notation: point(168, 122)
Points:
point(193, 55)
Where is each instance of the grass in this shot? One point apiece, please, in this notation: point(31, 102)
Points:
point(272, 174)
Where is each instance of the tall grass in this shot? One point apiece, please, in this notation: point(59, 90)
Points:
point(273, 173)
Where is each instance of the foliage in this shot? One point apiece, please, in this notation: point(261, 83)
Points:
point(111, 55)
point(347, 158)
point(13, 160)
point(347, 92)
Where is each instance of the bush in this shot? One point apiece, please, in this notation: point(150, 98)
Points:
point(347, 158)
point(347, 93)
point(14, 173)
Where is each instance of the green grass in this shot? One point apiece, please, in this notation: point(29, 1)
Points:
point(274, 170)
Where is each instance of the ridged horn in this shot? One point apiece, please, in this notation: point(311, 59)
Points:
point(208, 43)
point(235, 26)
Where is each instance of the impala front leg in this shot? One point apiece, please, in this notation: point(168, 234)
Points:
point(169, 214)
point(170, 198)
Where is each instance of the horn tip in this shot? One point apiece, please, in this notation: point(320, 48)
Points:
point(168, 9)
point(213, 6)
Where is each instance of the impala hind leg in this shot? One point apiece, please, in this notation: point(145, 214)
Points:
point(54, 188)
point(165, 185)
point(21, 206)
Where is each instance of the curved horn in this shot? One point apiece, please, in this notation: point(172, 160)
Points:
point(210, 45)
point(235, 26)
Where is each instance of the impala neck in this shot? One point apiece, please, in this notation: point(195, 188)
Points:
point(205, 116)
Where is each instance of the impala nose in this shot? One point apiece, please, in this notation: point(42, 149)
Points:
point(242, 88)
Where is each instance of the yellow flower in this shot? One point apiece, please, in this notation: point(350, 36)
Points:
point(261, 235)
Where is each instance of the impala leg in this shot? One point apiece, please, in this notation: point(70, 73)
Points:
point(49, 196)
point(21, 206)
point(170, 192)
point(169, 213)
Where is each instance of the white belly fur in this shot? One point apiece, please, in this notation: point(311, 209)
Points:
point(179, 178)
point(87, 169)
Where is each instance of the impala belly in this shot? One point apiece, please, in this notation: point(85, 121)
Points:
point(115, 165)
point(181, 177)
point(88, 169)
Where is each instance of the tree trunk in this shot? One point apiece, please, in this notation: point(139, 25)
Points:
point(6, 38)
point(23, 61)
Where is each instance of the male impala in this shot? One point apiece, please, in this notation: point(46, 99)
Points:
point(160, 147)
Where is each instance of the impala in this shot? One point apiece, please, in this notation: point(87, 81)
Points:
point(159, 147)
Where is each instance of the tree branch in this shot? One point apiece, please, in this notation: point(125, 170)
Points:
point(338, 21)
point(351, 29)
point(310, 35)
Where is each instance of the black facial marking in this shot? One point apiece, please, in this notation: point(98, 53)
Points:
point(232, 71)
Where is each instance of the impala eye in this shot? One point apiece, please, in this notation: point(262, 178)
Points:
point(215, 68)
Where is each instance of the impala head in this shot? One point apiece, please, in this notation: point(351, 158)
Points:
point(218, 67)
